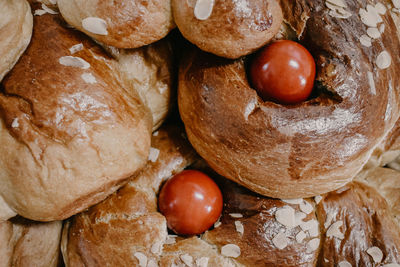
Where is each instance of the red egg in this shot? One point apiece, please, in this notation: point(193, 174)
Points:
point(283, 72)
point(191, 201)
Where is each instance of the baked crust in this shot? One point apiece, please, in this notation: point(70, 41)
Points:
point(15, 32)
point(234, 28)
point(305, 149)
point(129, 23)
point(67, 140)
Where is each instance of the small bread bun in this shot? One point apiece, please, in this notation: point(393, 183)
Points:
point(306, 149)
point(70, 133)
point(228, 28)
point(121, 23)
point(28, 243)
point(15, 32)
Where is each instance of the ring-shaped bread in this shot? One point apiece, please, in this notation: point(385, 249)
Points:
point(312, 147)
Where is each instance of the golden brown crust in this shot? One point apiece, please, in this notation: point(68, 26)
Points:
point(302, 150)
point(67, 140)
point(235, 28)
point(365, 221)
point(129, 24)
point(27, 243)
point(15, 32)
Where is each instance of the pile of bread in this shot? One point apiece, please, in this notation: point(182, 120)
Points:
point(89, 131)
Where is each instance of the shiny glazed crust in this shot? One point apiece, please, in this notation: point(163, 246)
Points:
point(127, 230)
point(66, 141)
point(234, 28)
point(130, 23)
point(306, 149)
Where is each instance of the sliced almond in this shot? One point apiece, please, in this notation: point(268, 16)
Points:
point(230, 250)
point(152, 263)
point(171, 239)
point(49, 10)
point(202, 262)
point(154, 153)
point(203, 9)
point(236, 215)
point(317, 199)
point(95, 25)
point(391, 265)
point(371, 82)
point(382, 28)
point(376, 254)
point(306, 207)
point(380, 8)
point(300, 237)
point(89, 78)
point(313, 245)
point(334, 231)
point(365, 40)
point(76, 48)
point(396, 3)
point(280, 241)
point(76, 62)
point(239, 227)
point(374, 33)
point(312, 226)
point(383, 61)
point(15, 123)
point(187, 260)
point(340, 3)
point(286, 216)
point(142, 258)
point(344, 264)
point(39, 12)
point(294, 201)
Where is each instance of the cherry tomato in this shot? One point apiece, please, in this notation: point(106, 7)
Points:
point(191, 201)
point(283, 72)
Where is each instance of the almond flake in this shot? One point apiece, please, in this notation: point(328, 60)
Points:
point(344, 264)
point(251, 106)
point(39, 12)
point(374, 33)
point(306, 207)
point(95, 25)
point(300, 236)
point(396, 3)
point(154, 153)
point(333, 230)
point(76, 48)
point(202, 262)
point(380, 8)
point(312, 226)
point(286, 216)
point(365, 40)
point(383, 61)
point(89, 78)
point(371, 82)
point(239, 227)
point(382, 28)
point(230, 250)
point(203, 9)
point(217, 224)
point(171, 239)
point(317, 199)
point(76, 62)
point(280, 241)
point(340, 13)
point(376, 254)
point(142, 258)
point(156, 248)
point(155, 133)
point(294, 201)
point(49, 10)
point(299, 217)
point(340, 3)
point(236, 215)
point(15, 123)
point(329, 219)
point(54, 2)
point(391, 265)
point(187, 260)
point(313, 245)
point(368, 18)
point(152, 263)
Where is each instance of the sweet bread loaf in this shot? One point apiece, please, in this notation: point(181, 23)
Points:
point(329, 230)
point(310, 148)
point(71, 131)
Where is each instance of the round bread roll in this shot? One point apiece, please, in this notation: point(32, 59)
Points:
point(230, 28)
point(122, 23)
point(28, 243)
point(70, 132)
point(291, 151)
point(127, 230)
point(15, 32)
